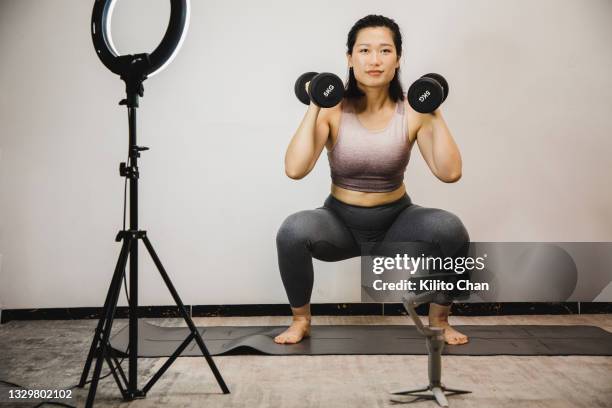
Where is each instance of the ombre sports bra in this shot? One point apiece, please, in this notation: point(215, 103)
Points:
point(366, 160)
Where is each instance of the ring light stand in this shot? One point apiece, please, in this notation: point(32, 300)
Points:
point(133, 70)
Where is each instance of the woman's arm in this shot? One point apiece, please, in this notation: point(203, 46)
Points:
point(438, 147)
point(307, 143)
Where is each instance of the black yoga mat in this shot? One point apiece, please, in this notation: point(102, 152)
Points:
point(523, 340)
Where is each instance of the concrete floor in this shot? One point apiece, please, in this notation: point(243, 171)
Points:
point(50, 355)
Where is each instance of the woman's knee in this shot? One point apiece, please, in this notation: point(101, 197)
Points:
point(450, 227)
point(443, 228)
point(294, 229)
point(452, 235)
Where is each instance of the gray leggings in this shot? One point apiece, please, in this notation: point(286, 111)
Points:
point(335, 231)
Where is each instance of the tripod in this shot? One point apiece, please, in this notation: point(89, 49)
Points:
point(100, 345)
point(434, 337)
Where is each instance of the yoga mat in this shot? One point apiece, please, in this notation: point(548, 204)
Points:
point(519, 340)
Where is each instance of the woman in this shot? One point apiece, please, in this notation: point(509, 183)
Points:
point(368, 137)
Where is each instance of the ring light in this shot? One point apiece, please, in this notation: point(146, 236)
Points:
point(158, 59)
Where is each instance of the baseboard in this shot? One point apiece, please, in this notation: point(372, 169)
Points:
point(332, 309)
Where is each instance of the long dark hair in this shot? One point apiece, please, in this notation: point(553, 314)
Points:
point(352, 91)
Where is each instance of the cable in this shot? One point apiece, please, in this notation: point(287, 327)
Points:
point(69, 388)
point(11, 384)
point(128, 165)
point(124, 212)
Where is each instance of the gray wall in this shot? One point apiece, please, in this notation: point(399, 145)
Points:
point(529, 107)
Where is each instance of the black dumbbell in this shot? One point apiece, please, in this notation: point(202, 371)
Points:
point(427, 93)
point(325, 89)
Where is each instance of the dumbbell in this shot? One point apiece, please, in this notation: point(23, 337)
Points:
point(427, 93)
point(325, 89)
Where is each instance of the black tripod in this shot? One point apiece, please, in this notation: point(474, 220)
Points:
point(100, 345)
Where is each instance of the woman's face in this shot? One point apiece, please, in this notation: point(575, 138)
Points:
point(374, 57)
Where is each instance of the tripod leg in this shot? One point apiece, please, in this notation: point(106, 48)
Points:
point(111, 364)
point(404, 399)
point(108, 317)
point(116, 280)
point(455, 391)
point(440, 397)
point(168, 363)
point(120, 370)
point(400, 392)
point(187, 318)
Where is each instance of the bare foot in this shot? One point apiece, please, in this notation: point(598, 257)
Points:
point(451, 336)
point(300, 328)
point(438, 317)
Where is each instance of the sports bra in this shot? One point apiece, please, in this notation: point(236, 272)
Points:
point(367, 160)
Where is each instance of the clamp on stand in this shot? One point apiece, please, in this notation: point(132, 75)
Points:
point(434, 338)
